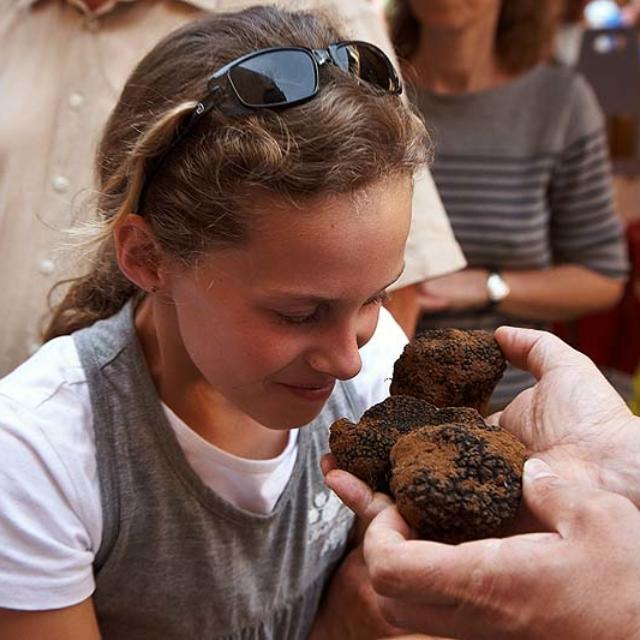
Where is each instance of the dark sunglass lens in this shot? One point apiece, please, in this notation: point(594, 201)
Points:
point(275, 78)
point(370, 64)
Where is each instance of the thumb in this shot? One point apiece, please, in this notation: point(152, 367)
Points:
point(556, 503)
point(538, 352)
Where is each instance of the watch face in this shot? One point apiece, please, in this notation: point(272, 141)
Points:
point(497, 288)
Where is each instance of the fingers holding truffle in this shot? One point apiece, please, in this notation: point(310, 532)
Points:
point(454, 477)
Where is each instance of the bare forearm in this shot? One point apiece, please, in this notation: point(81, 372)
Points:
point(559, 293)
point(77, 622)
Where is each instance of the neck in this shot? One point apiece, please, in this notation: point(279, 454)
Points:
point(182, 387)
point(458, 61)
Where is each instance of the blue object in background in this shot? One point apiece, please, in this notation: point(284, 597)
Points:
point(603, 14)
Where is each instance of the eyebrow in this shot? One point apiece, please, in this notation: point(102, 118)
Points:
point(302, 297)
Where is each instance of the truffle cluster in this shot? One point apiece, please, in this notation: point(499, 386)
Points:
point(364, 448)
point(453, 476)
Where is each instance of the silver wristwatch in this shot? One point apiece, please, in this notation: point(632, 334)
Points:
point(497, 288)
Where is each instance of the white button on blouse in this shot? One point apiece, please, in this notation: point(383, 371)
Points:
point(76, 101)
point(46, 267)
point(60, 184)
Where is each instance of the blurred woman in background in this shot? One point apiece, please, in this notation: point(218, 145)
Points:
point(521, 164)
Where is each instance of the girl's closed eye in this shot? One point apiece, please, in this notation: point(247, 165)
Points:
point(380, 298)
point(303, 318)
point(322, 309)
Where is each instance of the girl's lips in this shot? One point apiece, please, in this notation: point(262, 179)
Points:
point(314, 394)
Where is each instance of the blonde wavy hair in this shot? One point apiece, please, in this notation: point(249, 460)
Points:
point(345, 138)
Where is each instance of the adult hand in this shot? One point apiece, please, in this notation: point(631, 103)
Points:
point(349, 608)
point(579, 580)
point(461, 290)
point(572, 418)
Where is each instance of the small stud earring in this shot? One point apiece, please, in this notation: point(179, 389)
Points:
point(153, 289)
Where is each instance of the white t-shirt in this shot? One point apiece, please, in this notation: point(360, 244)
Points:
point(50, 510)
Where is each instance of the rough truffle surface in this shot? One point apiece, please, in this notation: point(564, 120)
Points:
point(363, 449)
point(450, 368)
point(457, 482)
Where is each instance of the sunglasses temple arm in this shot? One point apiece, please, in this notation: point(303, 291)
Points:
point(183, 130)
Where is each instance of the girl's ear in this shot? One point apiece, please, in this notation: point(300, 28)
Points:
point(139, 254)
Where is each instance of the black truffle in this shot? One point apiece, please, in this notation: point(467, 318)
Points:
point(450, 368)
point(363, 448)
point(457, 482)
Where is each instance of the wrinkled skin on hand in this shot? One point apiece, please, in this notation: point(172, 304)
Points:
point(572, 418)
point(580, 580)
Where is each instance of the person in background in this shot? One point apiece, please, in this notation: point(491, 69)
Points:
point(521, 165)
point(160, 453)
point(576, 572)
point(62, 67)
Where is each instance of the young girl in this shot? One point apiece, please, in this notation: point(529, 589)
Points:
point(160, 453)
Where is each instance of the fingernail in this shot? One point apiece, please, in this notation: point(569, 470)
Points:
point(534, 469)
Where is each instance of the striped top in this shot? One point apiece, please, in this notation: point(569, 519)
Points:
point(524, 174)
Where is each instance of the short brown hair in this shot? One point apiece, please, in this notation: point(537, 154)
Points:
point(345, 138)
point(523, 37)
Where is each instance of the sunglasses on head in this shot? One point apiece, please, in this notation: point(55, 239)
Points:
point(282, 77)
